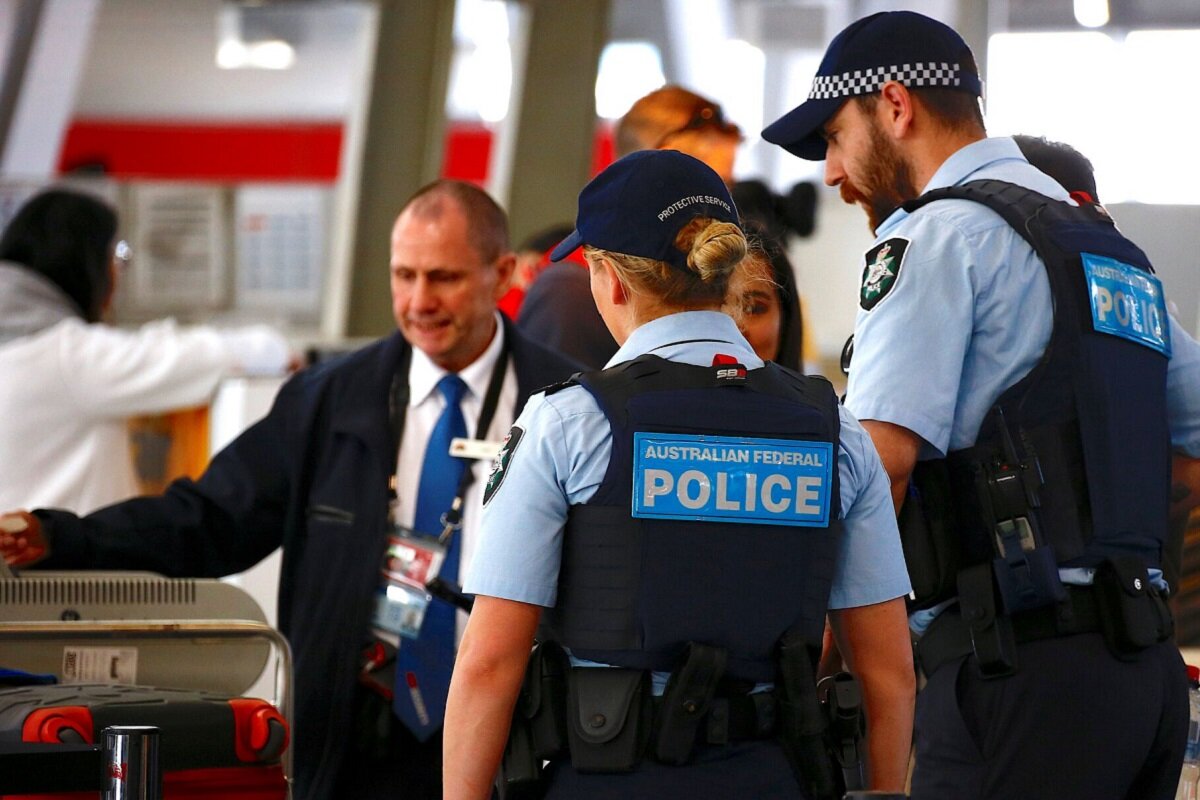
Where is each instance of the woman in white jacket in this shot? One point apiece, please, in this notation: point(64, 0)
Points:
point(68, 382)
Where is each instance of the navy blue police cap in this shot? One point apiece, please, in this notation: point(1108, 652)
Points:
point(640, 202)
point(901, 46)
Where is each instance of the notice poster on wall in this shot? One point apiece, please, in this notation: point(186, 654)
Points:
point(280, 246)
point(178, 247)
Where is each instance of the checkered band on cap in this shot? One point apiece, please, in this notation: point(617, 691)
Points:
point(866, 81)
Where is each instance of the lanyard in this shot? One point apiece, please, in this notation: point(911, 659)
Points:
point(398, 410)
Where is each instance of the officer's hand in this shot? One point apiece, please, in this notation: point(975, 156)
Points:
point(21, 539)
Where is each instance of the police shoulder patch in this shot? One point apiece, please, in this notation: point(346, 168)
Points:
point(500, 464)
point(882, 270)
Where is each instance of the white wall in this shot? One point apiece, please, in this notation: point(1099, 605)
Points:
point(829, 271)
point(57, 61)
point(157, 59)
point(1170, 236)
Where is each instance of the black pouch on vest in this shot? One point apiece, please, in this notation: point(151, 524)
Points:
point(688, 695)
point(544, 700)
point(1133, 614)
point(608, 712)
point(928, 536)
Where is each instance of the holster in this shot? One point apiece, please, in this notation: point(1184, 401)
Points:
point(520, 773)
point(928, 535)
point(608, 718)
point(992, 636)
point(544, 700)
point(841, 697)
point(538, 730)
point(803, 724)
point(1133, 613)
point(687, 698)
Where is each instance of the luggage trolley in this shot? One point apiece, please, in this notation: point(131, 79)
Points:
point(136, 648)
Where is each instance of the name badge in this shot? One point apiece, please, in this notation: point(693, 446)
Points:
point(732, 479)
point(1127, 302)
point(477, 449)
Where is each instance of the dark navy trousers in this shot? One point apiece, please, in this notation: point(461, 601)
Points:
point(748, 769)
point(1073, 723)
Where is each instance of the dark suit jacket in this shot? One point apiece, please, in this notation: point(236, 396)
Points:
point(311, 476)
point(559, 312)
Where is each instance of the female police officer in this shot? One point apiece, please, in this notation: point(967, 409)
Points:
point(743, 526)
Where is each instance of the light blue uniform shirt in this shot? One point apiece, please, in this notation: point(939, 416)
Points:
point(563, 455)
point(969, 315)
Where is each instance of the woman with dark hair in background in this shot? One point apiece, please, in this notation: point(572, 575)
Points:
point(765, 304)
point(68, 382)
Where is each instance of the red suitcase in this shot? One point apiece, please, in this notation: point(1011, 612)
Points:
point(210, 745)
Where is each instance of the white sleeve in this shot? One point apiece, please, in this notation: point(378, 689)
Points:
point(111, 372)
point(257, 349)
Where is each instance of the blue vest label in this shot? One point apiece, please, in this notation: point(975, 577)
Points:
point(1127, 302)
point(732, 479)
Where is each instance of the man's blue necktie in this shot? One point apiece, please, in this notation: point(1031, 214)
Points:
point(423, 665)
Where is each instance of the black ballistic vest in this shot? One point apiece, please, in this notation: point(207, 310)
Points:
point(1089, 421)
point(634, 591)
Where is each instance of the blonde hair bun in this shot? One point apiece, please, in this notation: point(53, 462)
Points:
point(716, 251)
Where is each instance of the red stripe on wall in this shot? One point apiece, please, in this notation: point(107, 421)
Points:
point(467, 153)
point(191, 151)
point(256, 151)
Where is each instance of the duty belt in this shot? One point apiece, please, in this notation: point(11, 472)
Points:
point(949, 638)
point(738, 717)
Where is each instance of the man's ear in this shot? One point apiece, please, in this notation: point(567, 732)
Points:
point(506, 265)
point(895, 109)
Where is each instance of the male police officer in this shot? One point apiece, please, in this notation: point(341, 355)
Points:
point(316, 476)
point(1060, 466)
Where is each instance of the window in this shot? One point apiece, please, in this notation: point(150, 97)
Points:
point(1118, 101)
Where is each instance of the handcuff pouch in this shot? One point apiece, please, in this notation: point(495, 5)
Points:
point(1133, 613)
point(608, 718)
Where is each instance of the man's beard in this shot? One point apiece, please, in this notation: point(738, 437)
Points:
point(886, 181)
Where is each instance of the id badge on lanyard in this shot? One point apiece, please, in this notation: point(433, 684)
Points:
point(410, 561)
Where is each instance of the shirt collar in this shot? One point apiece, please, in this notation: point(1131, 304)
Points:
point(683, 327)
point(423, 374)
point(958, 169)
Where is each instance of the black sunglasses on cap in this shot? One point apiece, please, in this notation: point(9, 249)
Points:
point(704, 115)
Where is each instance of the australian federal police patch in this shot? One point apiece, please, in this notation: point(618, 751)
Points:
point(732, 479)
point(500, 465)
point(882, 270)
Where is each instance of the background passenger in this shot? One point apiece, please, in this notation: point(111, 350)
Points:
point(763, 301)
point(68, 381)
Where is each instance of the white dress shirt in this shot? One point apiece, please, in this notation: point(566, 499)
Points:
point(425, 405)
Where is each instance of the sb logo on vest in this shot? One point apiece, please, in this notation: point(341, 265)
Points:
point(732, 479)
